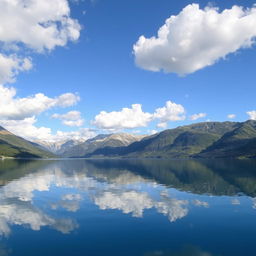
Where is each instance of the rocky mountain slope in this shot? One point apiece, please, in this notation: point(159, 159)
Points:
point(101, 141)
point(58, 147)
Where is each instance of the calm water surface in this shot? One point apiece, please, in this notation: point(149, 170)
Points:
point(121, 207)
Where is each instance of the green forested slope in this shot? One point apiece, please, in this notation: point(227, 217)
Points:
point(14, 146)
point(181, 142)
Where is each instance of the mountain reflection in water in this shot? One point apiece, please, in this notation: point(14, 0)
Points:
point(61, 195)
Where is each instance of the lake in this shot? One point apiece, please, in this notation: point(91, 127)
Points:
point(128, 207)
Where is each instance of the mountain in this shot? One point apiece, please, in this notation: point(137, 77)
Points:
point(14, 146)
point(240, 142)
point(101, 141)
point(181, 142)
point(58, 147)
point(202, 140)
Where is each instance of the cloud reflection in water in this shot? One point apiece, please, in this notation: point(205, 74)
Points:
point(116, 189)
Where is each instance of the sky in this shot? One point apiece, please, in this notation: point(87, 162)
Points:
point(75, 69)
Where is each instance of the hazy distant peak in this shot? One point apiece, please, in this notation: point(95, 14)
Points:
point(58, 147)
point(126, 137)
point(102, 141)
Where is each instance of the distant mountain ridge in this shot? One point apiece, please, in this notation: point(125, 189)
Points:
point(14, 146)
point(201, 140)
point(101, 141)
point(58, 147)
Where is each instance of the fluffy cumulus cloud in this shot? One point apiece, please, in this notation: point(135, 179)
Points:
point(14, 108)
point(182, 46)
point(127, 118)
point(134, 117)
point(72, 118)
point(83, 133)
point(32, 24)
point(170, 112)
point(197, 116)
point(18, 115)
point(152, 132)
point(11, 65)
point(27, 129)
point(39, 25)
point(231, 116)
point(252, 114)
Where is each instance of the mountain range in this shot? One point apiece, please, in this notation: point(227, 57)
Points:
point(201, 140)
point(100, 142)
point(58, 147)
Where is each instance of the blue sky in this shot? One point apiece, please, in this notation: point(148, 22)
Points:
point(100, 67)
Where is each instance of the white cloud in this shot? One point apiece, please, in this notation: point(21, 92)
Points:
point(11, 65)
point(252, 114)
point(14, 108)
point(65, 100)
point(197, 116)
point(170, 112)
point(27, 129)
point(162, 125)
point(83, 133)
point(134, 117)
point(196, 38)
point(72, 118)
point(39, 25)
point(19, 116)
point(152, 132)
point(32, 24)
point(127, 118)
point(231, 116)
